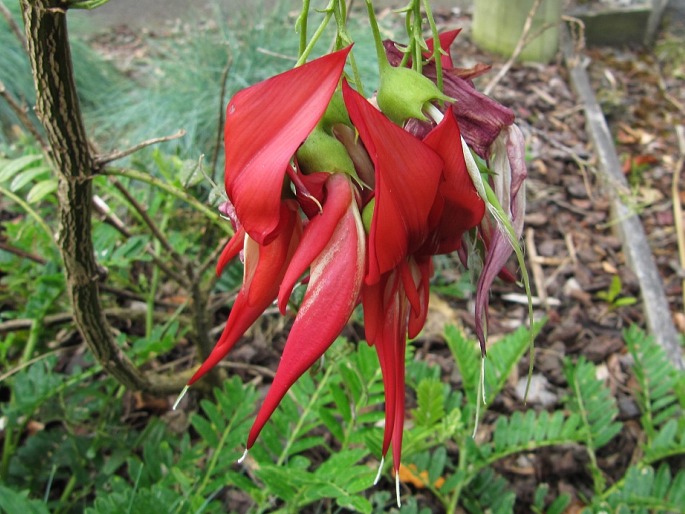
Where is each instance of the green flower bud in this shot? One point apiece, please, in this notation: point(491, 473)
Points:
point(367, 215)
point(404, 92)
point(323, 152)
point(336, 112)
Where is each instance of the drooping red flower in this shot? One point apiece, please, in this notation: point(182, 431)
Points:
point(509, 173)
point(412, 184)
point(265, 124)
point(265, 267)
point(333, 247)
point(407, 174)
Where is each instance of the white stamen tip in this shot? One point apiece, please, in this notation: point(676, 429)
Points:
point(241, 459)
point(397, 488)
point(180, 397)
point(380, 470)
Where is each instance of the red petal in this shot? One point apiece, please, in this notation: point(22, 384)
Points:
point(265, 266)
point(232, 248)
point(317, 234)
point(462, 209)
point(265, 124)
point(446, 40)
point(390, 343)
point(417, 318)
point(407, 177)
point(332, 293)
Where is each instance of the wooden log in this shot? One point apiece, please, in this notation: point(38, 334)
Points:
point(628, 225)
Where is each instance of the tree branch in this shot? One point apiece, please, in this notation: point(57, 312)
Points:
point(101, 160)
point(58, 109)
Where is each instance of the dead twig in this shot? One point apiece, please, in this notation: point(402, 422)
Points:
point(21, 113)
point(142, 212)
point(21, 253)
point(101, 160)
point(105, 210)
point(15, 325)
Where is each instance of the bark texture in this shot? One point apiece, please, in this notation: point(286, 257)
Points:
point(57, 107)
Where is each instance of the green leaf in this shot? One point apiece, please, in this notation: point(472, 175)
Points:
point(28, 175)
point(9, 168)
point(656, 378)
point(41, 190)
point(431, 402)
point(355, 503)
point(15, 502)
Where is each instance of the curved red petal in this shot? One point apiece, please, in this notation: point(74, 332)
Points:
point(265, 124)
point(462, 209)
point(407, 177)
point(317, 234)
point(332, 293)
point(417, 319)
point(446, 39)
point(232, 248)
point(265, 266)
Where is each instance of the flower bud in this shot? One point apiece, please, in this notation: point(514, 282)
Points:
point(404, 92)
point(323, 152)
point(336, 112)
point(367, 215)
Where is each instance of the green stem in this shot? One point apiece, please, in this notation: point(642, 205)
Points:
point(415, 35)
point(380, 50)
point(595, 471)
point(344, 39)
point(304, 54)
point(12, 433)
point(294, 434)
point(301, 26)
point(30, 211)
point(437, 46)
point(461, 468)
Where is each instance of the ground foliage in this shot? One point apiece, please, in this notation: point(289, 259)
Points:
point(603, 425)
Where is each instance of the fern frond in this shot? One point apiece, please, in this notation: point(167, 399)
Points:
point(499, 363)
point(643, 490)
point(488, 492)
point(467, 357)
point(593, 402)
point(656, 378)
point(530, 431)
point(669, 441)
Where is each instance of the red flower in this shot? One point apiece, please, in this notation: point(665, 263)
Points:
point(265, 124)
point(333, 247)
point(265, 267)
point(407, 174)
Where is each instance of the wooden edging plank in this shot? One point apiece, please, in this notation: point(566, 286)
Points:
point(629, 227)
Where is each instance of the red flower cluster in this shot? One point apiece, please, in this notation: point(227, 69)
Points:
point(363, 214)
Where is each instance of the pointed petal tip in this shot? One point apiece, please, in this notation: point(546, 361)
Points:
point(397, 488)
point(242, 458)
point(180, 397)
